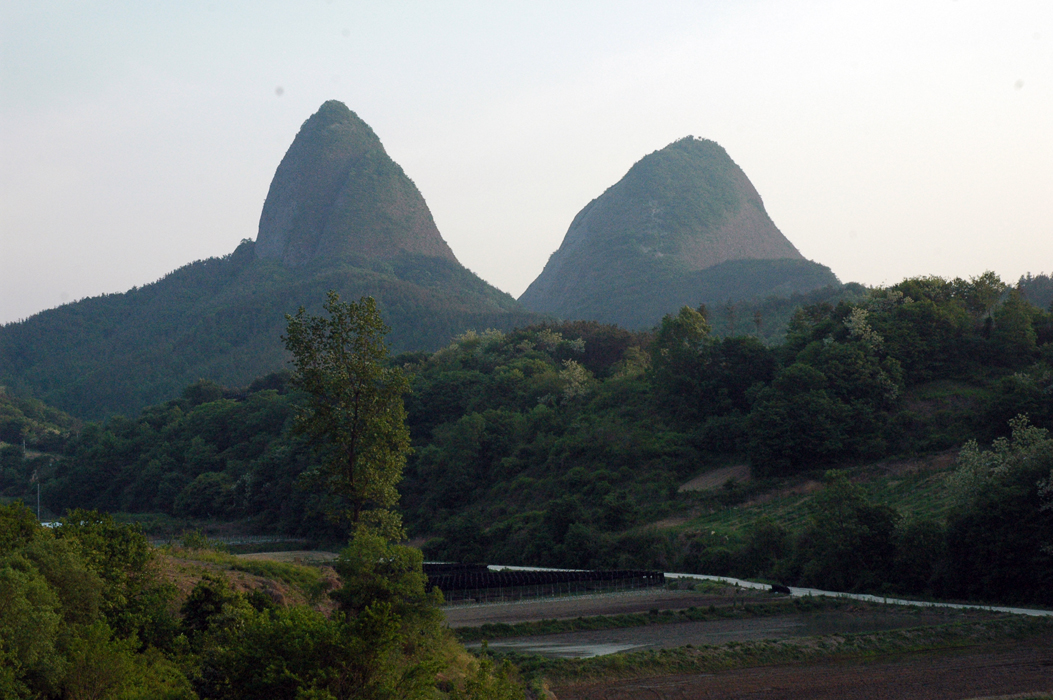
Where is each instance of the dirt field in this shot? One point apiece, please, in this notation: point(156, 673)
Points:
point(670, 635)
point(584, 606)
point(975, 673)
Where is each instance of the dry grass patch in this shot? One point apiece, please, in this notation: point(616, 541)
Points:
point(286, 583)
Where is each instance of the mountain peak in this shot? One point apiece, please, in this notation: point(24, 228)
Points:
point(647, 245)
point(338, 195)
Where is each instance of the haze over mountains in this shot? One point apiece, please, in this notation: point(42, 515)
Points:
point(684, 226)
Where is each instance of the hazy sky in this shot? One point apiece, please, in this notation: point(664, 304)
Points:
point(888, 139)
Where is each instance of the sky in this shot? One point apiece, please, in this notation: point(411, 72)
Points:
point(887, 139)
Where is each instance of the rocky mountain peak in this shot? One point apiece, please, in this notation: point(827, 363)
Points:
point(644, 245)
point(338, 195)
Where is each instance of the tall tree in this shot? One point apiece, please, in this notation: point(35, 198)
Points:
point(353, 414)
point(675, 361)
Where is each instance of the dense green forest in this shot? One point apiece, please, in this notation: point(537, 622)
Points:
point(222, 318)
point(658, 286)
point(88, 610)
point(1037, 289)
point(566, 445)
point(767, 317)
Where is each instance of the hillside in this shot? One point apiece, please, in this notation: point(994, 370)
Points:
point(32, 422)
point(684, 226)
point(582, 445)
point(340, 215)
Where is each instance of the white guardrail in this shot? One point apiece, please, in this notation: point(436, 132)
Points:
point(805, 592)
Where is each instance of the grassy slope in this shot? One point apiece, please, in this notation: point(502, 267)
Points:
point(287, 583)
point(915, 488)
point(914, 485)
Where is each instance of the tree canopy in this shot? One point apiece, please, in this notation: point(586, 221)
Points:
point(353, 413)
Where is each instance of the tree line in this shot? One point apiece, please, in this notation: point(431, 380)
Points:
point(557, 444)
point(86, 610)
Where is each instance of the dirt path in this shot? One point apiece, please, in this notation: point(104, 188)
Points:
point(717, 477)
point(584, 606)
point(974, 673)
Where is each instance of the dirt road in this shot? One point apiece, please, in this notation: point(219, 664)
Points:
point(584, 606)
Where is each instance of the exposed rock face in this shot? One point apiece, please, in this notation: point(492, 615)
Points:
point(337, 194)
point(642, 246)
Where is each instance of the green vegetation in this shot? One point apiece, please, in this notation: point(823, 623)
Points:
point(305, 578)
point(1038, 290)
point(567, 444)
point(210, 454)
point(222, 318)
point(560, 444)
point(354, 417)
point(32, 435)
point(41, 427)
point(517, 463)
point(340, 215)
point(84, 612)
point(763, 314)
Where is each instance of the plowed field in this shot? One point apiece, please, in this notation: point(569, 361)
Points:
point(667, 636)
point(974, 673)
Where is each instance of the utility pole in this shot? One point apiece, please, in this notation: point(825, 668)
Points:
point(35, 477)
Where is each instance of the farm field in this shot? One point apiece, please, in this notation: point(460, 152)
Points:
point(1020, 670)
point(756, 647)
point(714, 632)
point(755, 644)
